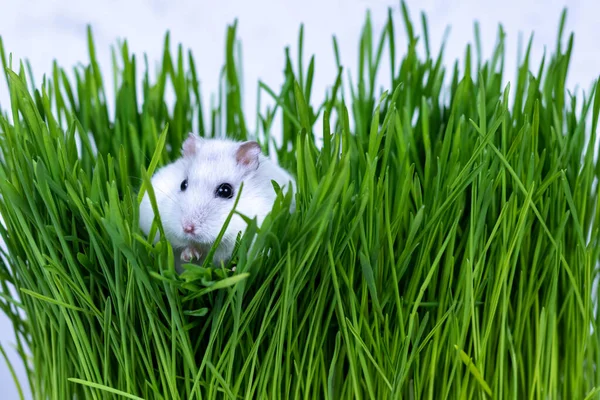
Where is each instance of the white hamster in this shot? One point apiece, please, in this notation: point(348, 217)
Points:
point(196, 193)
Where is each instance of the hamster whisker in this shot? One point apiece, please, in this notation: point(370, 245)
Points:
point(167, 195)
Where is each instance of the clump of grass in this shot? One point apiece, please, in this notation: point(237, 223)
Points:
point(444, 244)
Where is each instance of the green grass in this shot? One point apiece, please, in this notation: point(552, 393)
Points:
point(444, 244)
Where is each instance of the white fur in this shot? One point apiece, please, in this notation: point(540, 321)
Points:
point(212, 163)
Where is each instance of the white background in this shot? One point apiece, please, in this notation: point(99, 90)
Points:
point(42, 31)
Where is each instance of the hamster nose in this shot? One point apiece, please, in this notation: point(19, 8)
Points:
point(189, 228)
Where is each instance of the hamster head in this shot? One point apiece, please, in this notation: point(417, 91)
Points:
point(199, 191)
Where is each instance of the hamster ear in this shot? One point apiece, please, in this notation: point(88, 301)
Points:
point(190, 145)
point(247, 154)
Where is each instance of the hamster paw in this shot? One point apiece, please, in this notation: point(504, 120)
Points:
point(189, 253)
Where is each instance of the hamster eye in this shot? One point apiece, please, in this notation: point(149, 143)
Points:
point(224, 191)
point(183, 185)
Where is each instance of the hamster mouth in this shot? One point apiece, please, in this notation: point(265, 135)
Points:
point(193, 237)
point(197, 238)
point(192, 232)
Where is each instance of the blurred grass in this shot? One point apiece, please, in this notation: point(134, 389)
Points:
point(445, 242)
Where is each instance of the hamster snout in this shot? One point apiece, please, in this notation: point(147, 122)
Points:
point(196, 222)
point(189, 227)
